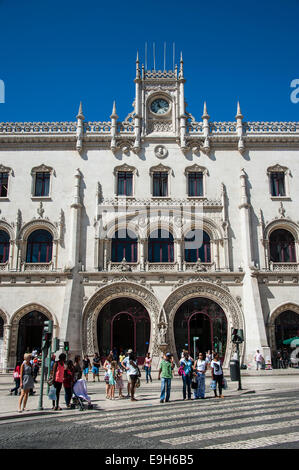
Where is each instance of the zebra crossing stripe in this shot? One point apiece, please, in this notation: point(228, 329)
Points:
point(256, 443)
point(230, 432)
point(162, 410)
point(181, 419)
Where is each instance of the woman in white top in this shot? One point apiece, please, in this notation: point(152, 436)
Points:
point(200, 368)
point(133, 372)
point(107, 367)
point(217, 374)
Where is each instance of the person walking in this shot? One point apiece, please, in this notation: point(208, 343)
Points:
point(133, 373)
point(77, 369)
point(165, 372)
point(58, 376)
point(258, 359)
point(96, 362)
point(186, 365)
point(200, 368)
point(217, 374)
point(125, 366)
point(16, 377)
point(26, 381)
point(112, 380)
point(68, 381)
point(107, 367)
point(119, 382)
point(148, 367)
point(86, 367)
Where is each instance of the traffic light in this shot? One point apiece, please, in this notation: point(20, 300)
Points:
point(66, 346)
point(237, 336)
point(56, 344)
point(47, 333)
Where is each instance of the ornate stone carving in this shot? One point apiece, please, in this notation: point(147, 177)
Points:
point(214, 292)
point(104, 295)
point(161, 151)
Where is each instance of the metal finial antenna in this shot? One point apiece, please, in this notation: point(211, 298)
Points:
point(154, 54)
point(146, 56)
point(173, 53)
point(164, 55)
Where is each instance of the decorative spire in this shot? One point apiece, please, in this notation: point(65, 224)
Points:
point(181, 72)
point(205, 112)
point(114, 115)
point(239, 114)
point(80, 112)
point(137, 66)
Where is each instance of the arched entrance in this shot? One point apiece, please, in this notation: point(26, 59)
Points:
point(123, 323)
point(30, 333)
point(1, 342)
point(201, 318)
point(286, 327)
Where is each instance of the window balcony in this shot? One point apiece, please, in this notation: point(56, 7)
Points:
point(284, 267)
point(33, 267)
point(161, 267)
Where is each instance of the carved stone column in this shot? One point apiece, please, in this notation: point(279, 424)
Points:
point(142, 243)
point(179, 246)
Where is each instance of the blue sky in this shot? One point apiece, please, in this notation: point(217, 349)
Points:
point(55, 53)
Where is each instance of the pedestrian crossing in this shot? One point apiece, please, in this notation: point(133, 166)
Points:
point(242, 422)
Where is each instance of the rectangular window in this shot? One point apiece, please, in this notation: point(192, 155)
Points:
point(124, 183)
point(277, 184)
point(42, 184)
point(160, 179)
point(195, 184)
point(3, 184)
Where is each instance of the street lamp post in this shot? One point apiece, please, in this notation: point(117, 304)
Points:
point(195, 338)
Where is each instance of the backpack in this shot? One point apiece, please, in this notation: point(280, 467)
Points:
point(181, 371)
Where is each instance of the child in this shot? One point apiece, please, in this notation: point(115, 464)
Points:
point(119, 382)
point(112, 375)
point(86, 367)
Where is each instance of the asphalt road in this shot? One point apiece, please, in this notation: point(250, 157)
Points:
point(242, 422)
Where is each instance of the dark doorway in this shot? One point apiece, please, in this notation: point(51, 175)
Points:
point(123, 324)
point(202, 318)
point(30, 333)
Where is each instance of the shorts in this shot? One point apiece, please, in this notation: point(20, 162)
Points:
point(133, 379)
point(95, 370)
point(86, 370)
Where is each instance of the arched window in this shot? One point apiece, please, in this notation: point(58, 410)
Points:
point(124, 245)
point(282, 246)
point(160, 247)
point(4, 246)
point(39, 247)
point(197, 246)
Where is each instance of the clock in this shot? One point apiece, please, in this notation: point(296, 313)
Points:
point(159, 106)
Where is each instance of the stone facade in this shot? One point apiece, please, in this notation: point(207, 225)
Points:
point(236, 209)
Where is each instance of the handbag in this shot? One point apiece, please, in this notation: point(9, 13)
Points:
point(137, 382)
point(213, 385)
point(194, 384)
point(50, 381)
point(52, 393)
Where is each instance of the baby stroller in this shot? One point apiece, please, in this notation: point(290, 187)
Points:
point(80, 395)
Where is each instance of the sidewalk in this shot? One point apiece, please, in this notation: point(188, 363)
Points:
point(256, 382)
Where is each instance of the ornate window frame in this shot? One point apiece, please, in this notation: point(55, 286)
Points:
point(279, 169)
point(30, 227)
point(197, 169)
point(280, 224)
point(161, 168)
point(41, 169)
point(9, 171)
point(6, 227)
point(127, 168)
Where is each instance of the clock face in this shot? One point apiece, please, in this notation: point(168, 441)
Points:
point(160, 106)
